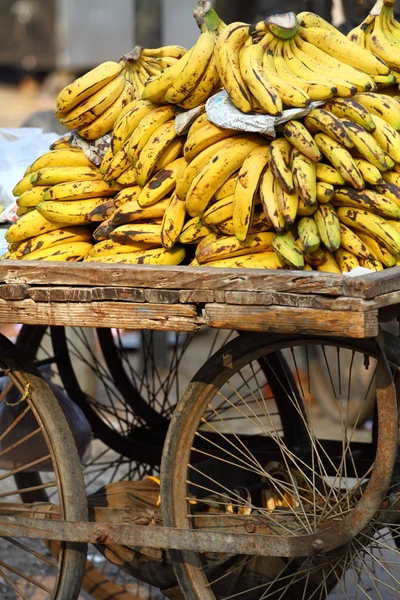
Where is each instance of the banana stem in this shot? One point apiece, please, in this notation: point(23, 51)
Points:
point(133, 55)
point(206, 17)
point(284, 26)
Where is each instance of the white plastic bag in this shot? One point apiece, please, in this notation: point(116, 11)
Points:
point(18, 149)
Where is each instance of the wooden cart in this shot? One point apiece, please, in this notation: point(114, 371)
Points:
point(249, 484)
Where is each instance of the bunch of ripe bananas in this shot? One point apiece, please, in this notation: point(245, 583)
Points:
point(325, 194)
point(380, 33)
point(92, 103)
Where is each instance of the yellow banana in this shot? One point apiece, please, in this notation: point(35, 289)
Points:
point(127, 122)
point(341, 159)
point(154, 256)
point(192, 72)
point(368, 147)
point(102, 232)
point(105, 122)
point(63, 157)
point(307, 67)
point(248, 181)
point(164, 51)
point(304, 177)
point(171, 152)
point(371, 224)
point(54, 175)
point(218, 212)
point(251, 69)
point(161, 184)
point(173, 221)
point(286, 248)
point(328, 226)
point(325, 192)
point(228, 246)
point(353, 243)
point(387, 138)
point(194, 167)
point(227, 188)
point(132, 212)
point(102, 211)
point(260, 222)
point(392, 177)
point(69, 251)
point(346, 260)
point(290, 94)
point(22, 210)
point(86, 86)
point(217, 171)
point(287, 203)
point(351, 110)
point(110, 248)
point(204, 88)
point(280, 151)
point(156, 88)
point(107, 158)
point(325, 121)
point(337, 45)
point(147, 126)
point(198, 123)
point(151, 152)
point(371, 263)
point(149, 233)
point(269, 198)
point(328, 174)
point(368, 199)
point(62, 142)
point(314, 90)
point(68, 213)
point(227, 53)
point(369, 172)
point(53, 238)
point(31, 198)
point(308, 234)
point(91, 108)
point(78, 190)
point(31, 225)
point(389, 190)
point(378, 251)
point(127, 179)
point(329, 265)
point(261, 260)
point(119, 163)
point(23, 185)
point(193, 231)
point(127, 195)
point(204, 138)
point(381, 105)
point(296, 133)
point(304, 210)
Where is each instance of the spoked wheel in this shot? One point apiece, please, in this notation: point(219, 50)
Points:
point(234, 461)
point(128, 395)
point(34, 436)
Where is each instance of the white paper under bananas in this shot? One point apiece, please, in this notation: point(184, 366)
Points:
point(95, 150)
point(222, 112)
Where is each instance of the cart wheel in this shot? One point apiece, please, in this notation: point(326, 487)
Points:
point(330, 386)
point(34, 436)
point(231, 451)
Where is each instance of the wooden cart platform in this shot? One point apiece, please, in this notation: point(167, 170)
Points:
point(184, 298)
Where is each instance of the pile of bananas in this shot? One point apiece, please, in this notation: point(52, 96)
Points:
point(324, 194)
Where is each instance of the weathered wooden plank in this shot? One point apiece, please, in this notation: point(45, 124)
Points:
point(200, 296)
point(13, 291)
point(173, 278)
point(161, 296)
point(372, 285)
point(298, 301)
point(84, 294)
point(292, 320)
point(125, 315)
